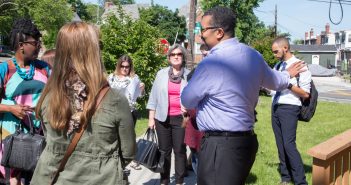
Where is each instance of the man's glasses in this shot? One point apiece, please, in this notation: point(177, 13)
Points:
point(125, 67)
point(176, 54)
point(33, 43)
point(203, 30)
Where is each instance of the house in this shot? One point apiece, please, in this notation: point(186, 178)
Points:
point(324, 55)
point(130, 9)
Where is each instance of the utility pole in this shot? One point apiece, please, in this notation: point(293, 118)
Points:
point(275, 21)
point(191, 42)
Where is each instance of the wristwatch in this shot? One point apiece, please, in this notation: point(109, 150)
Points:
point(290, 86)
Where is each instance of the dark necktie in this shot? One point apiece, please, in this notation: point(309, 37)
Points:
point(278, 93)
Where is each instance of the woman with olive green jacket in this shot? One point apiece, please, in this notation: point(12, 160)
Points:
point(68, 100)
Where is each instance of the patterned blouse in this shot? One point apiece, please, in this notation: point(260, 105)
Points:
point(129, 86)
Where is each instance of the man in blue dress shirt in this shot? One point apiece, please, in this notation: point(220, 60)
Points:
point(224, 89)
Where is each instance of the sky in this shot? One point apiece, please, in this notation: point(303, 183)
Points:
point(294, 16)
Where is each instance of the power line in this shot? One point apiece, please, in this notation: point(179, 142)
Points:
point(333, 2)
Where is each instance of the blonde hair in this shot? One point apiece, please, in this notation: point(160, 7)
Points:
point(125, 58)
point(77, 48)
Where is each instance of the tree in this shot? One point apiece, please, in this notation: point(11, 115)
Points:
point(121, 2)
point(248, 26)
point(92, 11)
point(121, 35)
point(81, 9)
point(48, 15)
point(168, 22)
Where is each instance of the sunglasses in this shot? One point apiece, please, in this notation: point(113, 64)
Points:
point(203, 30)
point(176, 54)
point(125, 67)
point(33, 43)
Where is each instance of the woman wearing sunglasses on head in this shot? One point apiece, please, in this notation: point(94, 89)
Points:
point(125, 80)
point(165, 112)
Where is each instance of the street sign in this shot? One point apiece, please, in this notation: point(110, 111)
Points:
point(163, 46)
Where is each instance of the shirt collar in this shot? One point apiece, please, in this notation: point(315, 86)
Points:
point(223, 44)
point(291, 60)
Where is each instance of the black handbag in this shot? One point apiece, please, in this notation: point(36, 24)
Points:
point(148, 153)
point(22, 150)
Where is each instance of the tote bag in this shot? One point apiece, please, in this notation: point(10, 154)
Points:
point(148, 153)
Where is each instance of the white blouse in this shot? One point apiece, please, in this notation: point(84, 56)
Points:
point(130, 87)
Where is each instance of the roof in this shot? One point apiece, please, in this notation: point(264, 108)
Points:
point(76, 17)
point(131, 9)
point(313, 48)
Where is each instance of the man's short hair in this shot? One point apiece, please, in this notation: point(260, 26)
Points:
point(282, 41)
point(20, 30)
point(224, 18)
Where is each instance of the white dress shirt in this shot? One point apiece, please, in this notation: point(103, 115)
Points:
point(287, 96)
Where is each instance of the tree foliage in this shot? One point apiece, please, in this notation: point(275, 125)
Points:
point(121, 2)
point(121, 35)
point(248, 26)
point(92, 11)
point(263, 44)
point(168, 22)
point(48, 15)
point(81, 9)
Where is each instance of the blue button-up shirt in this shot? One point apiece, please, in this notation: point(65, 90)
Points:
point(225, 87)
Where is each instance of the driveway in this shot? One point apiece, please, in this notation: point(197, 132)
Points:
point(333, 89)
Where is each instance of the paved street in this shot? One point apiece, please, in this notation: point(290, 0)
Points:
point(146, 177)
point(333, 89)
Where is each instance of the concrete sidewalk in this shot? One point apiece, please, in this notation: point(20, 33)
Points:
point(147, 177)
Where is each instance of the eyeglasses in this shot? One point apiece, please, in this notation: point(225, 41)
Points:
point(176, 54)
point(33, 43)
point(125, 67)
point(203, 30)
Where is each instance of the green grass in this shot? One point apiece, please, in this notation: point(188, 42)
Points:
point(330, 119)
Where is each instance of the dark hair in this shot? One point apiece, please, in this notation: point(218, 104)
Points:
point(125, 58)
point(282, 41)
point(21, 29)
point(224, 18)
point(204, 47)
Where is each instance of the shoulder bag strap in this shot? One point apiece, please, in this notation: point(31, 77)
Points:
point(76, 137)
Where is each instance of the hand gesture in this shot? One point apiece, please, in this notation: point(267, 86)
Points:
point(296, 68)
point(20, 110)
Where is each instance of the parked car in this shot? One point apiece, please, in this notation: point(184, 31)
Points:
point(5, 51)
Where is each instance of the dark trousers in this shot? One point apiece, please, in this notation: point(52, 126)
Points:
point(226, 160)
point(284, 123)
point(171, 135)
point(135, 115)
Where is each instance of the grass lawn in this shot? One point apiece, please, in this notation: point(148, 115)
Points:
point(329, 120)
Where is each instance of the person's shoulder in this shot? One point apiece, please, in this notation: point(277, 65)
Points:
point(41, 64)
point(163, 71)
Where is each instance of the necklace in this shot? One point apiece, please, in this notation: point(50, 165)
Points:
point(23, 74)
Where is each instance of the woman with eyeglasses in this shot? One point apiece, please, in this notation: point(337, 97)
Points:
point(166, 112)
point(125, 80)
point(22, 80)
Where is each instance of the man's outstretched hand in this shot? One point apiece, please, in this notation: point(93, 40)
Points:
point(296, 68)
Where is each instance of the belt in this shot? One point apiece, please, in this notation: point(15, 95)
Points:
point(229, 134)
